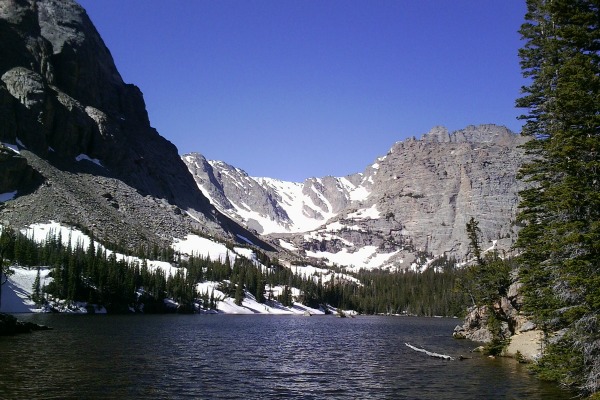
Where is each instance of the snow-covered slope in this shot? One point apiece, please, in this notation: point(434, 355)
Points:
point(414, 201)
point(270, 205)
point(17, 292)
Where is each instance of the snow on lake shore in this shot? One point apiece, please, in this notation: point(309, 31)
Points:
point(16, 293)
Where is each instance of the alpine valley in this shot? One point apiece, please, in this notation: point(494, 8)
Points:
point(81, 169)
point(410, 205)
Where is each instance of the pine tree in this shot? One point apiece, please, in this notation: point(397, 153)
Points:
point(473, 233)
point(213, 301)
point(37, 289)
point(560, 211)
point(239, 289)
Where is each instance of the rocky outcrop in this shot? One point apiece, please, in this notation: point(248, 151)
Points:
point(414, 200)
point(65, 107)
point(235, 193)
point(432, 187)
point(516, 328)
point(15, 172)
point(62, 94)
point(10, 325)
point(475, 326)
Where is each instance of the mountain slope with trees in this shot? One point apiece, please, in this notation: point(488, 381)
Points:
point(80, 270)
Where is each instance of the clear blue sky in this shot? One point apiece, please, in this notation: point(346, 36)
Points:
point(298, 88)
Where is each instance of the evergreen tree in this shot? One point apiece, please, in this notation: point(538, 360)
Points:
point(239, 289)
point(473, 233)
point(260, 288)
point(213, 301)
point(286, 296)
point(37, 289)
point(560, 211)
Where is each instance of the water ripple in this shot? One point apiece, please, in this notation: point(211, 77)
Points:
point(251, 357)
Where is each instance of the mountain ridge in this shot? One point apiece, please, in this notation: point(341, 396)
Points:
point(385, 198)
point(98, 163)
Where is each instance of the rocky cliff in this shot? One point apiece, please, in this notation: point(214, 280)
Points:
point(414, 200)
point(269, 205)
point(66, 110)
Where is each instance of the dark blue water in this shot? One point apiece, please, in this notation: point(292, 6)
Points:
point(253, 357)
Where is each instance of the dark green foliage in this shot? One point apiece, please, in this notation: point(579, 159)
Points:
point(487, 281)
point(94, 275)
point(89, 274)
point(7, 239)
point(560, 212)
point(37, 289)
point(498, 343)
point(285, 297)
point(473, 233)
point(561, 363)
point(432, 292)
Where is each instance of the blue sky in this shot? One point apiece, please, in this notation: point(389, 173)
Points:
point(295, 89)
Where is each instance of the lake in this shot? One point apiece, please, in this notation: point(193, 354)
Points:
point(253, 357)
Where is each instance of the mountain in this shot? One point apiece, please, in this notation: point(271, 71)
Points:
point(78, 145)
point(78, 148)
point(270, 205)
point(412, 202)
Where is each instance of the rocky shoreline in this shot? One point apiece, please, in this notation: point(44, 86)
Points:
point(523, 337)
point(10, 325)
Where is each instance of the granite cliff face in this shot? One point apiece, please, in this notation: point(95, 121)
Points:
point(65, 108)
point(415, 200)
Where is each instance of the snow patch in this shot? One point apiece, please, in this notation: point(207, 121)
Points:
point(226, 305)
point(74, 237)
point(7, 196)
point(338, 226)
point(325, 275)
point(11, 146)
point(365, 213)
point(82, 157)
point(202, 247)
point(16, 292)
point(366, 257)
point(287, 245)
point(361, 193)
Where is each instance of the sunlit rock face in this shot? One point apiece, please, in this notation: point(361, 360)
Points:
point(414, 200)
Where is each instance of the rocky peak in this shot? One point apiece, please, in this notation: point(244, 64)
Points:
point(61, 93)
point(417, 198)
point(63, 101)
point(437, 134)
point(487, 133)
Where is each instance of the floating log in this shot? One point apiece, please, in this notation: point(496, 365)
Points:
point(429, 353)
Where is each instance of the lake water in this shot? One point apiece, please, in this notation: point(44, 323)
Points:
point(253, 357)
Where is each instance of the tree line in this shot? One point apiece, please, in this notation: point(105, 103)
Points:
point(560, 211)
point(94, 275)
